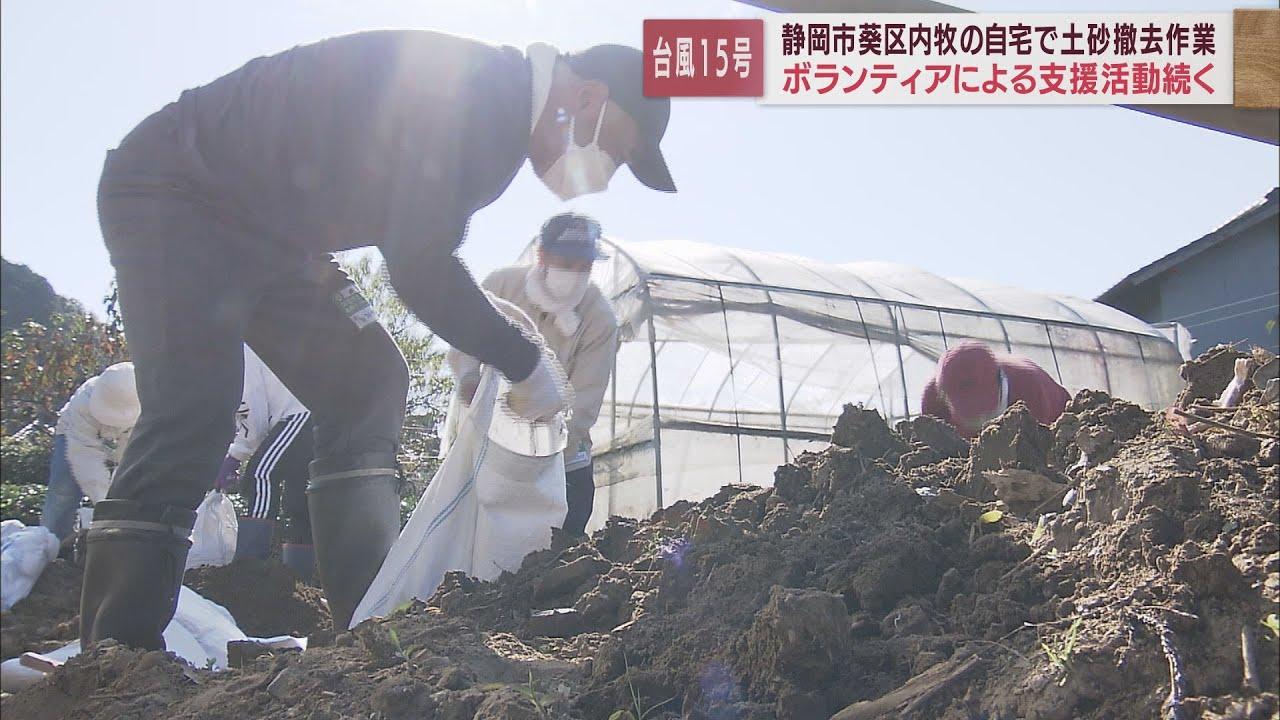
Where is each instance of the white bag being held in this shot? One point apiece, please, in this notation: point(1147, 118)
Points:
point(494, 499)
point(213, 539)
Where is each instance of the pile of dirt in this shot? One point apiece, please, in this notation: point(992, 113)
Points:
point(47, 618)
point(1208, 375)
point(264, 597)
point(1113, 565)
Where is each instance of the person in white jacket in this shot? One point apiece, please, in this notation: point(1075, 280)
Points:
point(89, 439)
point(578, 325)
point(274, 434)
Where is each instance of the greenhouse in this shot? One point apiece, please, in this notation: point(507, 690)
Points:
point(731, 362)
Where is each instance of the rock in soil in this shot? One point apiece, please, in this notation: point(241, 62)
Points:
point(557, 622)
point(264, 597)
point(865, 432)
point(799, 637)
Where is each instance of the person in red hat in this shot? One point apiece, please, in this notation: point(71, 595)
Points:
point(973, 385)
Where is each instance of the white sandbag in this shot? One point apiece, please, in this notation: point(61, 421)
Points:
point(486, 508)
point(198, 633)
point(1234, 390)
point(213, 539)
point(24, 554)
point(519, 499)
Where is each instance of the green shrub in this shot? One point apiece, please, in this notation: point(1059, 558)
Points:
point(42, 365)
point(21, 502)
point(417, 460)
point(24, 457)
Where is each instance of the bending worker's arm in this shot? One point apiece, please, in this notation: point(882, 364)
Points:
point(590, 377)
point(427, 222)
point(254, 425)
point(441, 292)
point(87, 455)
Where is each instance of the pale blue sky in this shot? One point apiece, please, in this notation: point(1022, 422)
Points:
point(1052, 199)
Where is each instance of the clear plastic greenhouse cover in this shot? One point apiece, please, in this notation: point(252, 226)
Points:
point(732, 362)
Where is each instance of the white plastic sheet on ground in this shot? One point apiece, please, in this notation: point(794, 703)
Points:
point(24, 553)
point(486, 508)
point(199, 634)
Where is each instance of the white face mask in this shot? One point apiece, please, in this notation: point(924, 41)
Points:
point(581, 169)
point(566, 285)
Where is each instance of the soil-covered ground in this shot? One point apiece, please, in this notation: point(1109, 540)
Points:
point(46, 619)
point(1118, 564)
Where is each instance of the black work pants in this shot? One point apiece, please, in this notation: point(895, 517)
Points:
point(580, 492)
point(278, 472)
point(195, 282)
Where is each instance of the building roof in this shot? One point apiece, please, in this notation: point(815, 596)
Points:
point(1263, 209)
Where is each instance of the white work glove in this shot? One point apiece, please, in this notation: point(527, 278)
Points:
point(541, 395)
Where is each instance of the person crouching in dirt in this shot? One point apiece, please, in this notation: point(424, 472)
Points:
point(221, 213)
point(90, 437)
point(578, 324)
point(274, 434)
point(94, 428)
point(973, 386)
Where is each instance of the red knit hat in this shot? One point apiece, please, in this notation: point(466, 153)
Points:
point(969, 380)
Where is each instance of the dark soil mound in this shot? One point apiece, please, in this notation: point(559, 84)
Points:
point(1112, 566)
point(46, 619)
point(263, 596)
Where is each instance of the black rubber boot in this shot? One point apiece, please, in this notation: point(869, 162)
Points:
point(355, 518)
point(253, 537)
point(135, 555)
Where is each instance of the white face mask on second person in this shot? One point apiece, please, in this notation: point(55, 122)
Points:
point(581, 169)
point(566, 286)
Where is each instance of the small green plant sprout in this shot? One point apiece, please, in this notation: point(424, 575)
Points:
point(401, 651)
point(637, 711)
point(1060, 658)
point(210, 664)
point(1272, 623)
point(530, 691)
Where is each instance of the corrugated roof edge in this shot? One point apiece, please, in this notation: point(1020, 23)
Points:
point(1264, 208)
